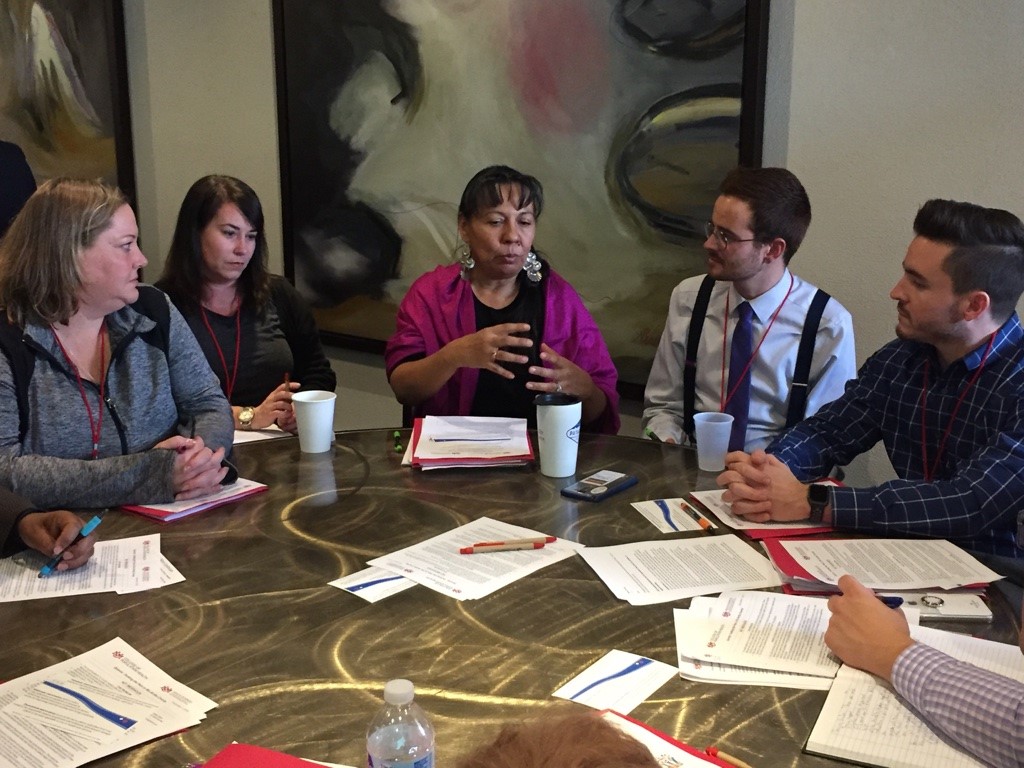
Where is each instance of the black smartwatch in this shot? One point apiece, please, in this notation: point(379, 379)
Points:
point(818, 497)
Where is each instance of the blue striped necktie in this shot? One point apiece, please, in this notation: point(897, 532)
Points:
point(739, 356)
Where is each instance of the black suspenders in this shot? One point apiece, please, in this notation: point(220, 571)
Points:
point(801, 373)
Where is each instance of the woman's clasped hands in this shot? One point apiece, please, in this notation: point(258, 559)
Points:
point(197, 470)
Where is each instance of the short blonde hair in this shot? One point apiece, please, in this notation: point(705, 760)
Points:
point(39, 270)
point(562, 741)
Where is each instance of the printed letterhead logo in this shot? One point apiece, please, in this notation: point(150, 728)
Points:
point(574, 433)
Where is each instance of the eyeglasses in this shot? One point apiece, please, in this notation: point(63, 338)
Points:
point(723, 238)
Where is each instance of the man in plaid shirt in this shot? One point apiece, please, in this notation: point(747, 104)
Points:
point(946, 399)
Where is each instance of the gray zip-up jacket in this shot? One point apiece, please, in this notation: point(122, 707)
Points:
point(149, 396)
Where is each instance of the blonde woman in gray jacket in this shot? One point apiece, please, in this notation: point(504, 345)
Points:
point(105, 397)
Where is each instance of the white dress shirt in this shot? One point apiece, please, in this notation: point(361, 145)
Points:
point(832, 365)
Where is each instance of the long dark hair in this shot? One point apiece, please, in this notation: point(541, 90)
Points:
point(182, 277)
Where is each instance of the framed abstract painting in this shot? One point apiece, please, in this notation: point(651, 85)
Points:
point(629, 112)
point(64, 88)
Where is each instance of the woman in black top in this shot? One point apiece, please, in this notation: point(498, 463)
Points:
point(254, 328)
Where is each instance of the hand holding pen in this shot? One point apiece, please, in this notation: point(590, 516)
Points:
point(58, 534)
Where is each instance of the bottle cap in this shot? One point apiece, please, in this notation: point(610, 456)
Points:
point(398, 691)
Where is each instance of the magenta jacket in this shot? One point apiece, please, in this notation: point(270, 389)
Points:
point(439, 308)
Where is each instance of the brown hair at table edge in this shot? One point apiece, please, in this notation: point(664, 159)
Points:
point(561, 740)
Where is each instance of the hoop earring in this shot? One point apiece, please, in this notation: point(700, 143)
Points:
point(532, 267)
point(466, 260)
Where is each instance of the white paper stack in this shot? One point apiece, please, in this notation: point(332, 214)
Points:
point(117, 565)
point(649, 572)
point(880, 563)
point(759, 631)
point(436, 563)
point(90, 706)
point(447, 442)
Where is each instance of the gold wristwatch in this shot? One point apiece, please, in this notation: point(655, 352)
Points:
point(245, 417)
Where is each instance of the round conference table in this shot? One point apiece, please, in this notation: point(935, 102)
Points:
point(299, 666)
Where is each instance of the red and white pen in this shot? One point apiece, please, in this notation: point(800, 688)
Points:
point(511, 545)
point(531, 540)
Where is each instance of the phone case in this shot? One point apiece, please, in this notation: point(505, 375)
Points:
point(599, 486)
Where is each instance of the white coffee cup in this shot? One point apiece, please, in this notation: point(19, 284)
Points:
point(314, 416)
point(712, 431)
point(558, 432)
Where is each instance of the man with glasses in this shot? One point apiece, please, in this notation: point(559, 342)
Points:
point(946, 399)
point(750, 338)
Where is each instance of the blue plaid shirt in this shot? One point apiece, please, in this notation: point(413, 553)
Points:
point(977, 487)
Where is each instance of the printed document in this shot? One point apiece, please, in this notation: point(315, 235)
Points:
point(661, 571)
point(117, 565)
point(437, 564)
point(889, 563)
point(763, 630)
point(713, 672)
point(90, 706)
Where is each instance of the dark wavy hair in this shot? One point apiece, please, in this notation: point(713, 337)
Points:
point(484, 191)
point(182, 275)
point(778, 203)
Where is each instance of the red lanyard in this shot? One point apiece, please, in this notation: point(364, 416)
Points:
point(929, 472)
point(232, 375)
point(95, 426)
point(723, 398)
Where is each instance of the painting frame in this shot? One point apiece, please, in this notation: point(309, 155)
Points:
point(92, 44)
point(751, 91)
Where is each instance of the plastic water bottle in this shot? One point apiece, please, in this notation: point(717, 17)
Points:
point(400, 735)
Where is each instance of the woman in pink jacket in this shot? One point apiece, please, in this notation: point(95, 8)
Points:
point(484, 336)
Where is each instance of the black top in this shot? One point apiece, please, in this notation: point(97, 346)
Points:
point(281, 339)
point(496, 395)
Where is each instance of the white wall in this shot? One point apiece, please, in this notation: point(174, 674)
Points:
point(876, 105)
point(201, 76)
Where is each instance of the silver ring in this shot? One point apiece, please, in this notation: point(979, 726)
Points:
point(494, 356)
point(558, 387)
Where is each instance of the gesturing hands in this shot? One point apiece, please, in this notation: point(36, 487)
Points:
point(560, 374)
point(487, 348)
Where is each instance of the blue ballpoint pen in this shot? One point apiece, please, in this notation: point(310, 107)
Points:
point(52, 563)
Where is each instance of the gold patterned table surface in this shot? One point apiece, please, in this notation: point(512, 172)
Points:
point(300, 666)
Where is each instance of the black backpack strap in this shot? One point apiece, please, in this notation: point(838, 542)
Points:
point(700, 310)
point(22, 363)
point(153, 303)
point(802, 372)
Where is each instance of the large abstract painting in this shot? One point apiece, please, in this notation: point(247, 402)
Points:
point(629, 112)
point(64, 88)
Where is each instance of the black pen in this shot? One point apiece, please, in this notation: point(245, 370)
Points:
point(192, 429)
